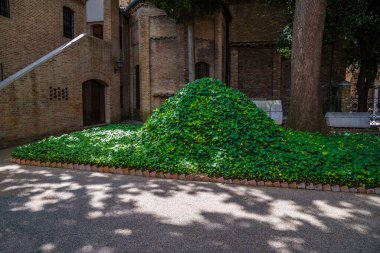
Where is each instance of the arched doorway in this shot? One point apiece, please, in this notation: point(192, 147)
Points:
point(93, 94)
point(202, 69)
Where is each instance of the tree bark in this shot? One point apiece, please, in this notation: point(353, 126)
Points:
point(305, 102)
point(367, 72)
point(191, 50)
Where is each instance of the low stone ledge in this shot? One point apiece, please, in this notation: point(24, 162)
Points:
point(174, 176)
point(353, 190)
point(284, 185)
point(326, 187)
point(196, 177)
point(301, 186)
point(268, 184)
point(318, 187)
point(221, 180)
point(260, 183)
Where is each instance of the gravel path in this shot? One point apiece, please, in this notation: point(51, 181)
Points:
point(55, 210)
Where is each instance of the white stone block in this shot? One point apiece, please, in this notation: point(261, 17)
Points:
point(273, 108)
point(348, 119)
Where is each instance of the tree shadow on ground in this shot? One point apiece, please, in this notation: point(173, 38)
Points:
point(54, 210)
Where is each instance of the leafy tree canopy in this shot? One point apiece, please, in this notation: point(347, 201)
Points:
point(348, 21)
point(356, 23)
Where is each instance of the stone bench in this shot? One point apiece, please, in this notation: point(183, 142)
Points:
point(348, 119)
point(272, 107)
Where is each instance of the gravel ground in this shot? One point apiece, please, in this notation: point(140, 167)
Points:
point(55, 210)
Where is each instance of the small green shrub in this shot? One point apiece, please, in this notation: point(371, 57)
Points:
point(210, 128)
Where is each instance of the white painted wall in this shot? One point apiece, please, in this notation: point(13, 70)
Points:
point(95, 10)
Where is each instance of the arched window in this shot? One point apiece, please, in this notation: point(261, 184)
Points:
point(97, 31)
point(202, 69)
point(68, 22)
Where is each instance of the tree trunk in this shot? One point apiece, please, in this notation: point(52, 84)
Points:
point(305, 101)
point(367, 72)
point(191, 50)
point(361, 88)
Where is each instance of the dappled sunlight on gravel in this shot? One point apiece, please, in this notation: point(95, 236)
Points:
point(55, 210)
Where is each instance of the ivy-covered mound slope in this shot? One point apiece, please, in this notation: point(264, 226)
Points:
point(210, 128)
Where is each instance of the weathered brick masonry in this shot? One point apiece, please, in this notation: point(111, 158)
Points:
point(158, 54)
point(238, 44)
point(48, 99)
point(35, 28)
point(27, 108)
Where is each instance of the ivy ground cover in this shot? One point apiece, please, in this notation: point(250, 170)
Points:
point(213, 129)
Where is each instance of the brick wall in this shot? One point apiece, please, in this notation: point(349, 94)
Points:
point(257, 68)
point(27, 110)
point(255, 20)
point(159, 46)
point(34, 29)
point(255, 65)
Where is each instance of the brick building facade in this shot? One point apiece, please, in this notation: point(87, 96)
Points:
point(35, 28)
point(56, 78)
point(133, 58)
point(236, 44)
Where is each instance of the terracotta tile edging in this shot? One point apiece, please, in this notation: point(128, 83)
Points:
point(197, 177)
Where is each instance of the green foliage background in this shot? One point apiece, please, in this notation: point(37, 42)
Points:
point(210, 128)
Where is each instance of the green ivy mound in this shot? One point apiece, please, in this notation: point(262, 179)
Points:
point(208, 127)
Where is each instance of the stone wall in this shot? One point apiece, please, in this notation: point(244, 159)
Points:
point(255, 21)
point(242, 52)
point(35, 28)
point(167, 61)
point(158, 45)
point(255, 65)
point(28, 108)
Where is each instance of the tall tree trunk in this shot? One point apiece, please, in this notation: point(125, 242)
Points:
point(191, 50)
point(367, 72)
point(305, 101)
point(362, 91)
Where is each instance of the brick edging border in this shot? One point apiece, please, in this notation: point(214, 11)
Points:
point(197, 177)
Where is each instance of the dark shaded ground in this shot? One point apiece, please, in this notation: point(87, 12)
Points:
point(54, 210)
